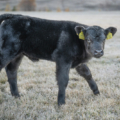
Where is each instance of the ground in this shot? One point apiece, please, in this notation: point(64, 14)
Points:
point(38, 87)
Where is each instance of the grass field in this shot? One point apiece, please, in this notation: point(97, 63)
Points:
point(38, 87)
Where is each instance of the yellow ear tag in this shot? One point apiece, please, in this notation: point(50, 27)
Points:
point(109, 35)
point(81, 35)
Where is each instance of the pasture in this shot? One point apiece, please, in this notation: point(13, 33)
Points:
point(38, 87)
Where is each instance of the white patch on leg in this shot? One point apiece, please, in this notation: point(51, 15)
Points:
point(2, 22)
point(28, 24)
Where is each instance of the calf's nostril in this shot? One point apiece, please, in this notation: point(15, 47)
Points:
point(96, 52)
point(100, 52)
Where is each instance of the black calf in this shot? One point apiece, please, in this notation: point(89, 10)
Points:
point(67, 43)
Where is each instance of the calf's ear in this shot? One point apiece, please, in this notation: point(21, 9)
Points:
point(80, 31)
point(109, 32)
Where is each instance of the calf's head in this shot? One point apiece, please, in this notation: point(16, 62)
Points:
point(94, 38)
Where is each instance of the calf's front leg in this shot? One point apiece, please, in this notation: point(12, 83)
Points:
point(62, 75)
point(84, 71)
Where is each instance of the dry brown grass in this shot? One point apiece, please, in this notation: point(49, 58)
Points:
point(38, 88)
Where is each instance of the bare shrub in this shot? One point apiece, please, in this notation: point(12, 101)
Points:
point(27, 5)
point(7, 8)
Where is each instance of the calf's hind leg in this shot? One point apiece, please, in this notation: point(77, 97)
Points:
point(11, 70)
point(84, 71)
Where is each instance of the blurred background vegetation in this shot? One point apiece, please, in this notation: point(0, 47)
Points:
point(59, 5)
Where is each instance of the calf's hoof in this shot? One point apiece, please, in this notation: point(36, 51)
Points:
point(61, 102)
point(96, 92)
point(15, 94)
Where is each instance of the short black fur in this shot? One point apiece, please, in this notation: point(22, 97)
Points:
point(55, 41)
